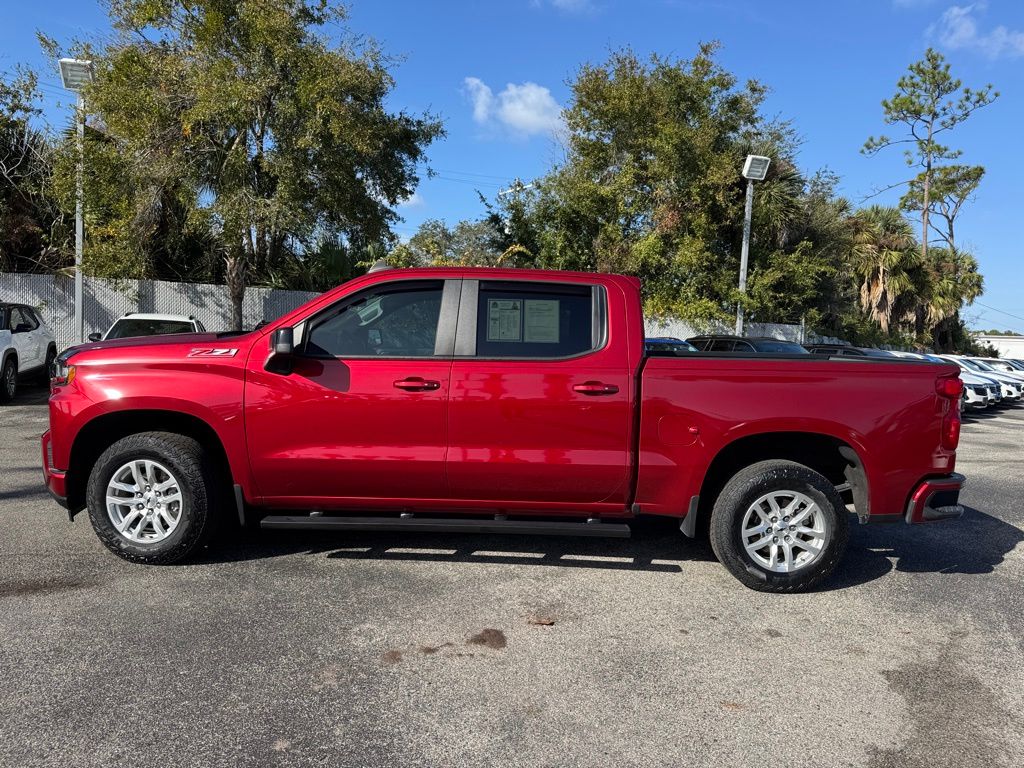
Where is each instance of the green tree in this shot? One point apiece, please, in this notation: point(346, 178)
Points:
point(650, 184)
point(929, 103)
point(30, 222)
point(883, 258)
point(271, 137)
point(468, 243)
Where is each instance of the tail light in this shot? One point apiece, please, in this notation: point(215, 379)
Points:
point(950, 388)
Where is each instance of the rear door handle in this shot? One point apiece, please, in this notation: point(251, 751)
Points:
point(417, 384)
point(595, 388)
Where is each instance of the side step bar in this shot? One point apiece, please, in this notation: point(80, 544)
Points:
point(446, 525)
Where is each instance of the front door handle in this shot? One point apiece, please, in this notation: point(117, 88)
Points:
point(417, 384)
point(595, 388)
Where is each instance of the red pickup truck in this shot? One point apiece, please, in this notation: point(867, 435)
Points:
point(493, 400)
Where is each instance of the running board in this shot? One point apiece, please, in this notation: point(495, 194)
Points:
point(591, 527)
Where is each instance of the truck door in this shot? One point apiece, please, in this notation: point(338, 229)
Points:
point(362, 415)
point(540, 396)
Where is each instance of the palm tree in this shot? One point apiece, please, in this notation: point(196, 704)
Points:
point(884, 256)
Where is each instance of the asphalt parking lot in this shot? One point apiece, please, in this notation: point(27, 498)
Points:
point(451, 650)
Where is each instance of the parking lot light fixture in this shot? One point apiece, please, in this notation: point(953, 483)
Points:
point(75, 74)
point(754, 169)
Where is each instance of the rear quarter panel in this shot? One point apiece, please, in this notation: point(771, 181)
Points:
point(692, 408)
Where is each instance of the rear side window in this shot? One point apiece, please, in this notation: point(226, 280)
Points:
point(534, 320)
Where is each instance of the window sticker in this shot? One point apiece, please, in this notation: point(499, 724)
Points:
point(504, 319)
point(541, 324)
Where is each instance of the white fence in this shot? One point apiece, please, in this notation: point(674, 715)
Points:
point(106, 300)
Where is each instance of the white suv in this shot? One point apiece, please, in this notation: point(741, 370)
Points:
point(27, 348)
point(140, 324)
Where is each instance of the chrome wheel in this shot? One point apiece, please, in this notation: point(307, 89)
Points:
point(784, 531)
point(144, 501)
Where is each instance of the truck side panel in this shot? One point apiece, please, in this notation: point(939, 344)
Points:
point(692, 408)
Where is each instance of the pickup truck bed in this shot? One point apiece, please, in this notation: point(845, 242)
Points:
point(482, 399)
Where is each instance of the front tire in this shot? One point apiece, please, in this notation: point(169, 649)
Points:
point(151, 497)
point(779, 526)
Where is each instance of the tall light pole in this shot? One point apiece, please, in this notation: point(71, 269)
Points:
point(75, 74)
point(754, 169)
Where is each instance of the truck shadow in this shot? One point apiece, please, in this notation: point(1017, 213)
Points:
point(656, 545)
point(974, 544)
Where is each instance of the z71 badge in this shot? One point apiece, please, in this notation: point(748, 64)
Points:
point(212, 352)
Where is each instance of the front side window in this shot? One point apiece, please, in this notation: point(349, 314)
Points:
point(721, 345)
point(534, 320)
point(391, 320)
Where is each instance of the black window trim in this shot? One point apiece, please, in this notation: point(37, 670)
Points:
point(444, 341)
point(466, 328)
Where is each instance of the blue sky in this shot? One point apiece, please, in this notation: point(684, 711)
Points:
point(496, 72)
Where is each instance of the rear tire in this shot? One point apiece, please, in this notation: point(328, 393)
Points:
point(779, 526)
point(8, 380)
point(151, 497)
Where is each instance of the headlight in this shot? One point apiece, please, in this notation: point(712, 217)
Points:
point(62, 373)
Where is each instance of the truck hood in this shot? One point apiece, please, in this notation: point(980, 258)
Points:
point(159, 346)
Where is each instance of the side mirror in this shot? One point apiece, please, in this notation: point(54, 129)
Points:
point(22, 328)
point(95, 336)
point(282, 348)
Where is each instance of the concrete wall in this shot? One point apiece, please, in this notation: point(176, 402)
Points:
point(104, 301)
point(1007, 346)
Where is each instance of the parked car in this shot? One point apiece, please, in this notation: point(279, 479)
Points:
point(746, 345)
point(1010, 387)
point(496, 400)
point(1001, 366)
point(979, 392)
point(27, 348)
point(142, 324)
point(834, 350)
point(668, 344)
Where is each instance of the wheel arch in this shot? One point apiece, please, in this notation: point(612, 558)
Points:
point(104, 430)
point(831, 456)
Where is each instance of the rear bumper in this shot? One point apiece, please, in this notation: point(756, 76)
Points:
point(55, 479)
point(935, 499)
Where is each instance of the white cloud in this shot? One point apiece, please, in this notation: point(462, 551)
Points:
point(415, 200)
point(481, 96)
point(958, 29)
point(525, 109)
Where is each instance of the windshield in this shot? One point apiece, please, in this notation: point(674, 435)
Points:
point(676, 346)
point(137, 326)
point(999, 365)
point(979, 366)
point(1016, 364)
point(782, 347)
